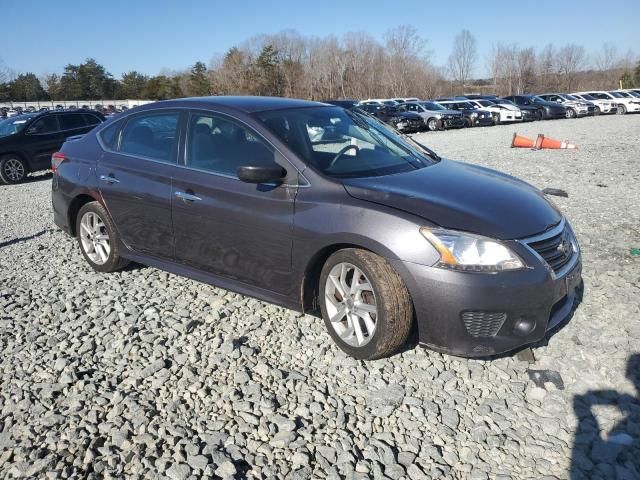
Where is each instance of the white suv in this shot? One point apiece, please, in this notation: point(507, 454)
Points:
point(624, 104)
point(602, 106)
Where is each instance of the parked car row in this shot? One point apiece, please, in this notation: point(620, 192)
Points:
point(413, 115)
point(106, 110)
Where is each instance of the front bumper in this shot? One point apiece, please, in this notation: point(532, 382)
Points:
point(410, 125)
point(520, 306)
point(556, 114)
point(456, 122)
point(483, 121)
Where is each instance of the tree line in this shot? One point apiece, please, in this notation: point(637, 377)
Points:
point(355, 65)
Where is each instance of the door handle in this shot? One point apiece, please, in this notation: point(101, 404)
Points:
point(186, 197)
point(109, 179)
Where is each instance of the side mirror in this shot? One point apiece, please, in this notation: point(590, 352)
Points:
point(261, 173)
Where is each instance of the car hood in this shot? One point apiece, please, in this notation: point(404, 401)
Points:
point(463, 197)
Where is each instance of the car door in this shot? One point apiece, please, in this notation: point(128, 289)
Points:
point(134, 177)
point(41, 140)
point(222, 225)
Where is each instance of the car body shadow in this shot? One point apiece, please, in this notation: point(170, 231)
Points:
point(616, 457)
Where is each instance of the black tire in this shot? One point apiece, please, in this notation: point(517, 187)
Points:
point(539, 115)
point(114, 261)
point(395, 310)
point(496, 118)
point(596, 111)
point(433, 124)
point(622, 110)
point(571, 113)
point(467, 123)
point(13, 169)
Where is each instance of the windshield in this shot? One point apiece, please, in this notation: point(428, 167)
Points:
point(504, 101)
point(586, 96)
point(345, 144)
point(616, 94)
point(432, 106)
point(570, 97)
point(536, 99)
point(11, 126)
point(623, 94)
point(485, 103)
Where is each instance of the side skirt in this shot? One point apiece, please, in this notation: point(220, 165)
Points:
point(215, 280)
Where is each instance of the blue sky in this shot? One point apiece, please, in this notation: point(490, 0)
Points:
point(146, 35)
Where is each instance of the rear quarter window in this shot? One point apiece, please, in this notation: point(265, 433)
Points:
point(108, 136)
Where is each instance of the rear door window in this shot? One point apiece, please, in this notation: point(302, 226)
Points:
point(90, 119)
point(71, 121)
point(152, 136)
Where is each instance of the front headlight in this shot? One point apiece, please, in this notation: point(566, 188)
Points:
point(471, 253)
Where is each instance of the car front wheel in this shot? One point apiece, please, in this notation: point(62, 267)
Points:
point(622, 110)
point(98, 239)
point(432, 124)
point(571, 113)
point(365, 304)
point(12, 169)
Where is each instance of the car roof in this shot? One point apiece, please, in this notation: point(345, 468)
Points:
point(247, 104)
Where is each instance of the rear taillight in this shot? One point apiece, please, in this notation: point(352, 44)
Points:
point(56, 159)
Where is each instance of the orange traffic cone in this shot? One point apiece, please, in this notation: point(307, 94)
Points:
point(521, 142)
point(550, 143)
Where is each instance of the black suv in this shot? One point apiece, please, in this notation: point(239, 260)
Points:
point(27, 141)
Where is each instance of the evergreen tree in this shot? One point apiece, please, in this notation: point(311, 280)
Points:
point(26, 88)
point(268, 72)
point(131, 85)
point(199, 85)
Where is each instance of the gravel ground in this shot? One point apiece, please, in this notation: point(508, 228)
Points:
point(146, 374)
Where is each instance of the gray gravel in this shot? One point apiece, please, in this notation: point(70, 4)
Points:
point(146, 374)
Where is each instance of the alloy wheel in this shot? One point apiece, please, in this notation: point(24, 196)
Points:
point(95, 238)
point(13, 169)
point(351, 304)
point(432, 124)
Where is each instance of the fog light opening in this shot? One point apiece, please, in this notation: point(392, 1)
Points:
point(523, 326)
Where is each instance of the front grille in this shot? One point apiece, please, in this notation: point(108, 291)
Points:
point(557, 250)
point(483, 324)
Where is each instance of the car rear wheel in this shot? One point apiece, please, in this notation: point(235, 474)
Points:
point(432, 124)
point(13, 169)
point(571, 113)
point(98, 239)
point(622, 110)
point(365, 304)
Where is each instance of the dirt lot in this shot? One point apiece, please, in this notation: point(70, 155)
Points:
point(143, 373)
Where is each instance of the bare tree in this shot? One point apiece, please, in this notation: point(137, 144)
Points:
point(571, 59)
point(607, 58)
point(463, 57)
